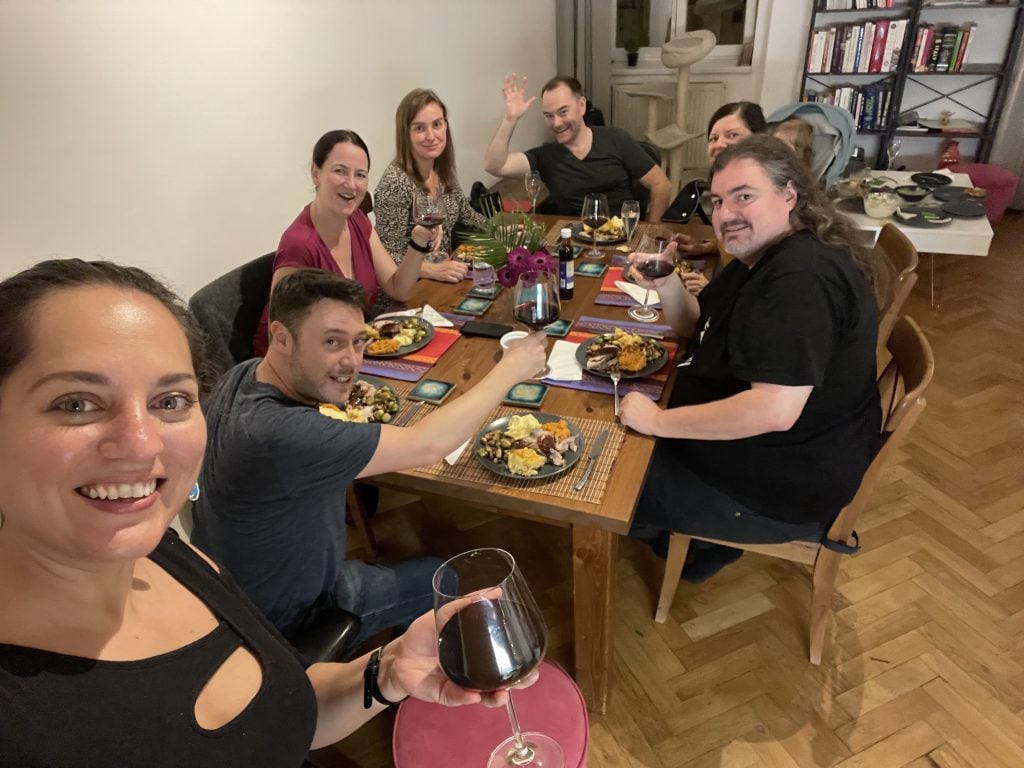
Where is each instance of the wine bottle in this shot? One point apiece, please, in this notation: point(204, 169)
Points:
point(566, 271)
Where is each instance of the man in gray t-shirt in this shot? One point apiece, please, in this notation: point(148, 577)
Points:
point(272, 507)
point(580, 160)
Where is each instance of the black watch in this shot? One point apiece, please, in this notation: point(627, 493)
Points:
point(417, 247)
point(371, 691)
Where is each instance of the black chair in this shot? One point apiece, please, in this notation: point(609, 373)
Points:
point(687, 203)
point(228, 310)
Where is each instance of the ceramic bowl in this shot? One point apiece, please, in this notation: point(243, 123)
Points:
point(912, 193)
point(880, 205)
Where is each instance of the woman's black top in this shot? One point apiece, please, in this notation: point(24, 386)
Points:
point(58, 710)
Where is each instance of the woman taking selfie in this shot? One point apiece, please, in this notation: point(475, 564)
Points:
point(121, 645)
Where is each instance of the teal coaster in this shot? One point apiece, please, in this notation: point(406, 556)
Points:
point(558, 328)
point(591, 269)
point(432, 391)
point(473, 306)
point(526, 395)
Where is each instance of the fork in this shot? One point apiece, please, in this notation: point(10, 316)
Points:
point(615, 375)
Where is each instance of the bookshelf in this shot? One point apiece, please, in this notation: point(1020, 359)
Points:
point(886, 59)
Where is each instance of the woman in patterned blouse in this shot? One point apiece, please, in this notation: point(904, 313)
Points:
point(424, 164)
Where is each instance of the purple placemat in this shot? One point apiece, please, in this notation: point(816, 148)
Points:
point(650, 386)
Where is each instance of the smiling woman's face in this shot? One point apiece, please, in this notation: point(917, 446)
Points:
point(101, 436)
point(342, 180)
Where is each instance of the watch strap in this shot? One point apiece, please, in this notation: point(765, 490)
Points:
point(417, 247)
point(371, 691)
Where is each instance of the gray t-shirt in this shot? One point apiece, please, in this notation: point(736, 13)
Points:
point(614, 163)
point(272, 501)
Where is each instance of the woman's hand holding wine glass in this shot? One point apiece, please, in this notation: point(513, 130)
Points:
point(492, 636)
point(429, 213)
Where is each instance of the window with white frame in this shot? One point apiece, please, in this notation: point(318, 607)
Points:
point(648, 24)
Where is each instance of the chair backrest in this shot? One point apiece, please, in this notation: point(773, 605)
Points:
point(228, 310)
point(901, 256)
point(687, 203)
point(910, 371)
point(834, 134)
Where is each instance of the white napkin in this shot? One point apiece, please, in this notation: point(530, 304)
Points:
point(945, 172)
point(636, 293)
point(430, 314)
point(562, 362)
point(453, 457)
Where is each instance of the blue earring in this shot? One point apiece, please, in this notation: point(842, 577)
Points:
point(193, 495)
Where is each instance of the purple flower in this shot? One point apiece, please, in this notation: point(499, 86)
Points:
point(506, 276)
point(518, 256)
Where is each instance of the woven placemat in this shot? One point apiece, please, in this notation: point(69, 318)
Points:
point(469, 468)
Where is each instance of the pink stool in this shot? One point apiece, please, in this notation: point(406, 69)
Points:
point(1000, 184)
point(429, 735)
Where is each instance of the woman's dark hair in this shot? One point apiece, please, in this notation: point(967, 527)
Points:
point(408, 108)
point(21, 293)
point(749, 112)
point(295, 294)
point(813, 211)
point(329, 140)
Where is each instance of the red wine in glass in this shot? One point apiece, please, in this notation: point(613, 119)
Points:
point(485, 648)
point(535, 314)
point(429, 220)
point(595, 222)
point(654, 268)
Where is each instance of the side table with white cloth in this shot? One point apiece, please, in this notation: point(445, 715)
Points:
point(961, 237)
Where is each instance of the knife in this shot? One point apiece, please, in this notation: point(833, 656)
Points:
point(595, 453)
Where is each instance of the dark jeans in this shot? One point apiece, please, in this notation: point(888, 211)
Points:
point(385, 596)
point(676, 499)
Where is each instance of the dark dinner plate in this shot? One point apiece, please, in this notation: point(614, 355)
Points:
point(931, 180)
point(652, 367)
point(923, 217)
point(378, 383)
point(548, 470)
point(408, 348)
point(947, 194)
point(579, 234)
point(964, 209)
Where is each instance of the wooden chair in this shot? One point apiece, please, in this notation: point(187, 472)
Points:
point(910, 371)
point(902, 258)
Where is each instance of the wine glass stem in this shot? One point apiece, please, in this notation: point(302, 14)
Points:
point(522, 754)
point(647, 295)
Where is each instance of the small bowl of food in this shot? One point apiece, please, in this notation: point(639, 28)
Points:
point(880, 205)
point(912, 193)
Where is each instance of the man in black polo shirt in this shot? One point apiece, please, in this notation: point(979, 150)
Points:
point(775, 415)
point(581, 160)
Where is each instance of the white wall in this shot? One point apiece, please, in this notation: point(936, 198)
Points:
point(176, 135)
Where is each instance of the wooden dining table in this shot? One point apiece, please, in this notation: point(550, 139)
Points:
point(595, 525)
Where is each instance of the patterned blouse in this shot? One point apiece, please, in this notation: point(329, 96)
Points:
point(392, 209)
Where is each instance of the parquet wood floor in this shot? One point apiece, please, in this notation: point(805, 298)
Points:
point(924, 665)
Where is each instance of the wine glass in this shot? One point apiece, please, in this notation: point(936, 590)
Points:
point(490, 636)
point(594, 215)
point(652, 261)
point(532, 183)
point(536, 303)
point(428, 212)
point(630, 217)
point(892, 150)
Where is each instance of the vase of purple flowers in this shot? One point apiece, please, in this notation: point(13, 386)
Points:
point(521, 260)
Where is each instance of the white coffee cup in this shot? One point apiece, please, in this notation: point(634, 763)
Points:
point(511, 336)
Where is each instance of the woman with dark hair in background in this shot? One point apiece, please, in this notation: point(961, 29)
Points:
point(424, 166)
point(731, 123)
point(333, 234)
point(120, 644)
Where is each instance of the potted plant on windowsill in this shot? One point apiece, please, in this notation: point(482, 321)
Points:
point(632, 48)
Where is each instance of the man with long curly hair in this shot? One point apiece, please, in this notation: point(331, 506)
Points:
point(775, 414)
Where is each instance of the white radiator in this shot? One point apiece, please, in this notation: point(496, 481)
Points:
point(630, 113)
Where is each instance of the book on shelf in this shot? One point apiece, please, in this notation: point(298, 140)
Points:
point(965, 48)
point(946, 44)
point(866, 103)
point(942, 49)
point(878, 47)
point(894, 45)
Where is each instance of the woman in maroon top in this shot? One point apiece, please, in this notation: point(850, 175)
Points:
point(333, 234)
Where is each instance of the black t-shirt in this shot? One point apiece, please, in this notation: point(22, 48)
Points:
point(62, 711)
point(614, 162)
point(803, 315)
